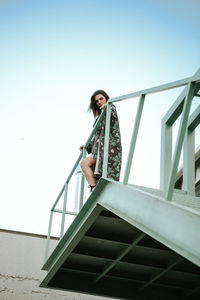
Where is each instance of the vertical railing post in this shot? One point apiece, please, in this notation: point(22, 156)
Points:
point(82, 185)
point(189, 163)
point(133, 139)
point(166, 155)
point(76, 198)
point(64, 210)
point(48, 236)
point(106, 140)
point(180, 138)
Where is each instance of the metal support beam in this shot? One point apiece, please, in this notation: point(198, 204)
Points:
point(135, 242)
point(63, 211)
point(82, 185)
point(194, 290)
point(189, 163)
point(189, 153)
point(174, 225)
point(176, 109)
point(133, 139)
point(194, 119)
point(76, 197)
point(48, 236)
point(161, 273)
point(179, 142)
point(66, 212)
point(166, 155)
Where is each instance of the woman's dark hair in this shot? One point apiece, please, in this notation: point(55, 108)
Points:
point(93, 107)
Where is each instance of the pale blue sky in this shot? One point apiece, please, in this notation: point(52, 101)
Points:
point(53, 56)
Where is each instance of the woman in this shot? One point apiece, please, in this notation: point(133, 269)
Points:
point(92, 165)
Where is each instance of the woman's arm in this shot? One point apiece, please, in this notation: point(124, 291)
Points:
point(88, 148)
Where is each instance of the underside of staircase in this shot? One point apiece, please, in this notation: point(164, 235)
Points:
point(128, 242)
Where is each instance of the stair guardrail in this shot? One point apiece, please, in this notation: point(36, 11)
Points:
point(168, 164)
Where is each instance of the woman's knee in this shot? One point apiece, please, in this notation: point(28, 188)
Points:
point(87, 162)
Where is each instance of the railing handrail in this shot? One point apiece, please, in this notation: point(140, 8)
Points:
point(159, 88)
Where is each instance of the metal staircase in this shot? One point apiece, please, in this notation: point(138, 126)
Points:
point(134, 242)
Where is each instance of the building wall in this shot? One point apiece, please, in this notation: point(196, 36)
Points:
point(21, 259)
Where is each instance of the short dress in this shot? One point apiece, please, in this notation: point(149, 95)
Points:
point(115, 148)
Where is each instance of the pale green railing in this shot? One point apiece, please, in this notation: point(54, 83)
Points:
point(169, 162)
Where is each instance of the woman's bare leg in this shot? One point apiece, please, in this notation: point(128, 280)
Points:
point(87, 165)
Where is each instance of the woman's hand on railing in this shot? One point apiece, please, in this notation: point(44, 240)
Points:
point(102, 107)
point(81, 147)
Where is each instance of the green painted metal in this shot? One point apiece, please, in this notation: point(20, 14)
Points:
point(189, 163)
point(53, 209)
point(180, 138)
point(106, 143)
point(131, 246)
point(133, 139)
point(67, 212)
point(166, 136)
point(128, 240)
point(160, 88)
point(168, 166)
point(82, 184)
point(172, 224)
point(189, 153)
point(166, 133)
point(58, 198)
point(194, 119)
point(63, 211)
point(160, 274)
point(86, 216)
point(74, 169)
point(48, 236)
point(78, 175)
point(112, 248)
point(179, 197)
point(68, 180)
point(166, 155)
point(175, 110)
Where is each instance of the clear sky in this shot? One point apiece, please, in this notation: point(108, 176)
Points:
point(53, 56)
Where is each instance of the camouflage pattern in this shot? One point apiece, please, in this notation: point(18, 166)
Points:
point(115, 148)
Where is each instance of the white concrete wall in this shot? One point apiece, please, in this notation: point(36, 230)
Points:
point(21, 259)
